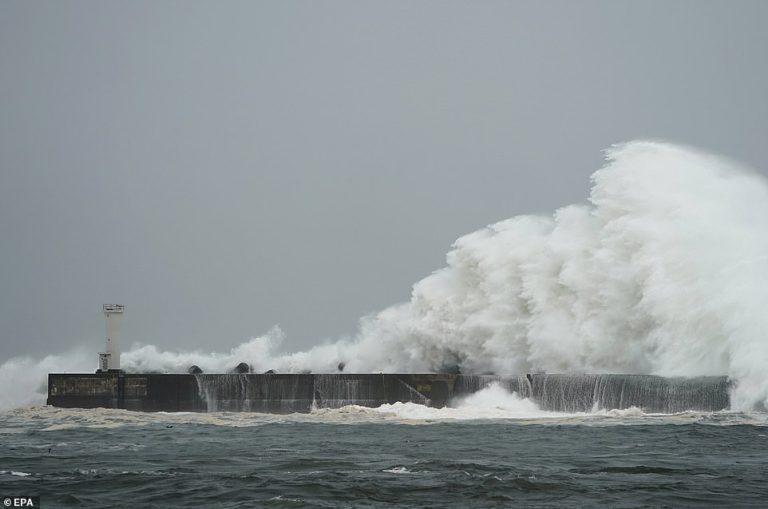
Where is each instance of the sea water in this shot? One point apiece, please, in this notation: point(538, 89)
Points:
point(492, 449)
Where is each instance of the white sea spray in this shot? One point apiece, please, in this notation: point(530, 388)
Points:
point(661, 272)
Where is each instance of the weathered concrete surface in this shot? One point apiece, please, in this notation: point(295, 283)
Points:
point(150, 392)
point(278, 393)
point(285, 393)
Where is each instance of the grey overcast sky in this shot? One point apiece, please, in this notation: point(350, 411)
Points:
point(221, 167)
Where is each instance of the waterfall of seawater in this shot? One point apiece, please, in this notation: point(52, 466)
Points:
point(255, 393)
point(560, 393)
point(469, 384)
point(224, 393)
point(300, 393)
point(585, 393)
point(336, 391)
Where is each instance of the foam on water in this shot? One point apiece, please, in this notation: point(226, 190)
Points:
point(662, 272)
point(15, 473)
point(397, 470)
point(492, 402)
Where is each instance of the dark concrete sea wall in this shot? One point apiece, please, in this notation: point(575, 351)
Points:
point(282, 393)
point(285, 393)
point(150, 392)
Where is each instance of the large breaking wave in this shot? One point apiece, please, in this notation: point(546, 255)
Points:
point(662, 272)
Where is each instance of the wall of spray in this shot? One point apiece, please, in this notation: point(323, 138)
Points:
point(662, 272)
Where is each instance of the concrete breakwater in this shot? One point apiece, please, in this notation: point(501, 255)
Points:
point(286, 393)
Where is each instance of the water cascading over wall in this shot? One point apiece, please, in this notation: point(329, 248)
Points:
point(284, 393)
point(585, 393)
point(256, 393)
point(561, 393)
point(469, 384)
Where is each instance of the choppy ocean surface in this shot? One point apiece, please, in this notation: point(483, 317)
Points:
point(401, 455)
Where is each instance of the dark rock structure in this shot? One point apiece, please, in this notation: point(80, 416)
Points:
point(243, 367)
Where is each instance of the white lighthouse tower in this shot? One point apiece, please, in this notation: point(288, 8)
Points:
point(110, 360)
